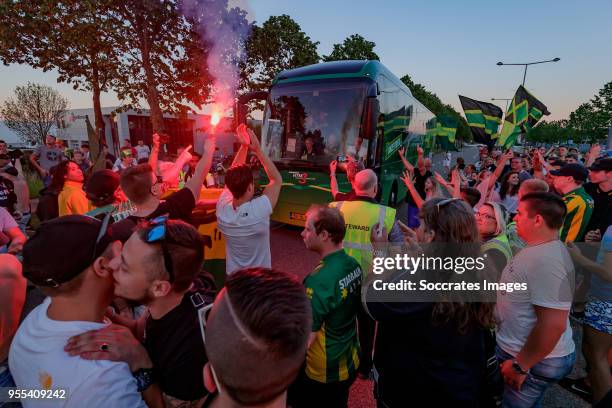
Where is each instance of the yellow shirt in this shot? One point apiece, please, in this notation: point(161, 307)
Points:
point(72, 199)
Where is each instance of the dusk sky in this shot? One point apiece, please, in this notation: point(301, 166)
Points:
point(451, 47)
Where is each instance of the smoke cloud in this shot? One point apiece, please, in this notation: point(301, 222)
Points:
point(225, 29)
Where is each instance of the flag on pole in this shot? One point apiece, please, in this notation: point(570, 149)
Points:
point(483, 118)
point(523, 114)
point(445, 131)
point(96, 154)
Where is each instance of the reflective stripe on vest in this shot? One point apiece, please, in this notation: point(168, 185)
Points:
point(359, 217)
point(500, 243)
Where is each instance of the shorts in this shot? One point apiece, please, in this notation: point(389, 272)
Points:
point(598, 315)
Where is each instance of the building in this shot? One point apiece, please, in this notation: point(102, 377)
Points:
point(136, 125)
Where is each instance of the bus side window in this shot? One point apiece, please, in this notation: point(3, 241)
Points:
point(378, 142)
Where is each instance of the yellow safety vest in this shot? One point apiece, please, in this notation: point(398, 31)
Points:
point(501, 243)
point(359, 217)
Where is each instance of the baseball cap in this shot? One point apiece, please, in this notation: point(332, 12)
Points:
point(102, 185)
point(602, 165)
point(63, 248)
point(575, 170)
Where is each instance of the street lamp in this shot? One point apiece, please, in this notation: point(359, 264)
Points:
point(529, 63)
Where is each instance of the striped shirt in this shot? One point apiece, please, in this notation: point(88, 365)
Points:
point(579, 210)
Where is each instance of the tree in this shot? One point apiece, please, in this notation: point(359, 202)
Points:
point(553, 132)
point(33, 111)
point(71, 36)
point(593, 118)
point(437, 107)
point(277, 45)
point(354, 47)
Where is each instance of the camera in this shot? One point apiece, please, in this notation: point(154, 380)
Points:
point(164, 138)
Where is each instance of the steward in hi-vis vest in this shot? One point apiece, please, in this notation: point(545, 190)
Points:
point(360, 215)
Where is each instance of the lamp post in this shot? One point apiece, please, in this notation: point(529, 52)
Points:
point(528, 64)
point(503, 99)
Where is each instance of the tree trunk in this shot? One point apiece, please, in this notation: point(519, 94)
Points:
point(95, 149)
point(157, 117)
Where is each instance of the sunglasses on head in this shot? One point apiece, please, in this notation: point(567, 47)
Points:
point(101, 233)
point(157, 234)
point(445, 202)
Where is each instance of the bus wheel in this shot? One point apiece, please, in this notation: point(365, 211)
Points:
point(393, 196)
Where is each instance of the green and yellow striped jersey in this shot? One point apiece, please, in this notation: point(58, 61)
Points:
point(579, 210)
point(334, 290)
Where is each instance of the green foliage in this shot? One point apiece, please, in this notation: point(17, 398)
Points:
point(553, 132)
point(437, 107)
point(354, 47)
point(279, 44)
point(33, 111)
point(593, 118)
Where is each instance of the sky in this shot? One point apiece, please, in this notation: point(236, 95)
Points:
point(451, 47)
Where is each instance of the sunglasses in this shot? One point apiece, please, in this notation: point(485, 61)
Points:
point(485, 216)
point(157, 234)
point(445, 202)
point(101, 233)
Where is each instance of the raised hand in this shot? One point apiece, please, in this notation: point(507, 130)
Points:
point(332, 167)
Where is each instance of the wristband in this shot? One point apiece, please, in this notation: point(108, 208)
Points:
point(144, 378)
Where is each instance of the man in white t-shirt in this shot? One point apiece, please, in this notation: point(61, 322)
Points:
point(534, 337)
point(142, 150)
point(69, 259)
point(244, 219)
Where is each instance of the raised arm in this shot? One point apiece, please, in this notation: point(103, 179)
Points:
point(407, 179)
point(501, 163)
point(420, 159)
point(202, 168)
point(154, 154)
point(333, 182)
point(272, 190)
point(401, 151)
point(594, 153)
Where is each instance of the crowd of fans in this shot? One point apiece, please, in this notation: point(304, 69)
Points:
point(130, 318)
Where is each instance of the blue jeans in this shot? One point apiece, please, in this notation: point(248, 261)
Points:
point(541, 376)
point(6, 380)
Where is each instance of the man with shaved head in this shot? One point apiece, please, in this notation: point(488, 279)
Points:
point(361, 215)
point(256, 337)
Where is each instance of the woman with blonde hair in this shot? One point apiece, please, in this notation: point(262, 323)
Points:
point(491, 222)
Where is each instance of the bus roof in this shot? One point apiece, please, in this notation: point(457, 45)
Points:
point(338, 69)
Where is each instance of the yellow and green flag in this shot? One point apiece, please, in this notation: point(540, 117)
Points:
point(483, 118)
point(444, 132)
point(523, 114)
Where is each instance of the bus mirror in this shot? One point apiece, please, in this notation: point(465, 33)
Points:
point(370, 118)
point(241, 108)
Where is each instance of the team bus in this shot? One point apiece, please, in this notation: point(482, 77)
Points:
point(324, 112)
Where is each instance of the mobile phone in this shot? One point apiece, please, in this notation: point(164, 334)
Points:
point(341, 159)
point(164, 138)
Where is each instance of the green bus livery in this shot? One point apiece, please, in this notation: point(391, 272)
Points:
point(322, 112)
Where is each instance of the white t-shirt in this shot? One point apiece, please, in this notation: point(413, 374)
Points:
point(246, 230)
point(549, 273)
point(142, 152)
point(37, 360)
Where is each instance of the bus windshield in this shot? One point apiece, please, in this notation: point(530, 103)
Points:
point(315, 122)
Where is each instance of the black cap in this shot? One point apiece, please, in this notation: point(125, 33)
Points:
point(602, 165)
point(4, 156)
point(63, 248)
point(102, 185)
point(575, 170)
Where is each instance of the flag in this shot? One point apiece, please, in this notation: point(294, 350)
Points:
point(445, 131)
point(96, 155)
point(483, 119)
point(523, 114)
